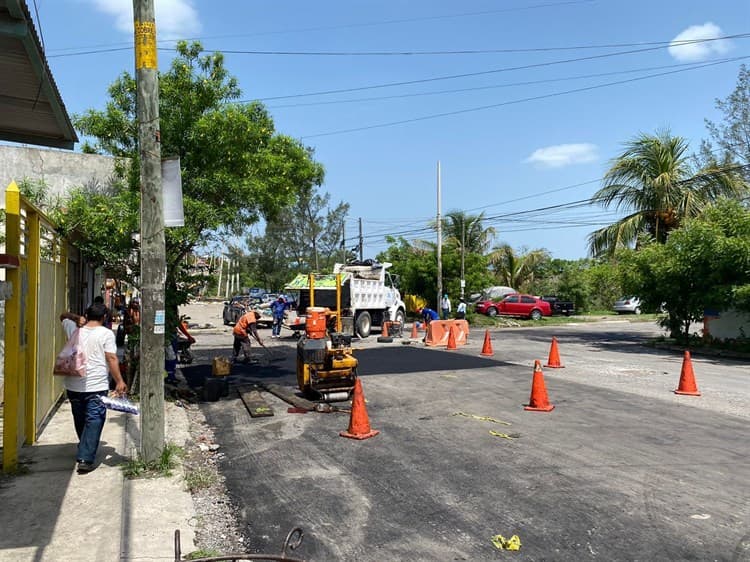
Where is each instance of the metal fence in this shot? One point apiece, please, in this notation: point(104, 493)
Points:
point(36, 264)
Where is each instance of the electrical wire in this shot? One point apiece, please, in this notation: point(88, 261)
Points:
point(510, 102)
point(497, 86)
point(335, 27)
point(493, 71)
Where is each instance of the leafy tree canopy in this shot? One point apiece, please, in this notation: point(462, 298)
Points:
point(655, 183)
point(704, 264)
point(235, 167)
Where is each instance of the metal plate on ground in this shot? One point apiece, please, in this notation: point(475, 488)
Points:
point(256, 406)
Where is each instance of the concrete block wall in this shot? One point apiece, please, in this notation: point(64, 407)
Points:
point(61, 170)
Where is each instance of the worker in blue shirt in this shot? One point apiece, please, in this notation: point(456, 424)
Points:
point(428, 315)
point(277, 309)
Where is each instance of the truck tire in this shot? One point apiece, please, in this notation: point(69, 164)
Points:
point(400, 318)
point(364, 324)
point(536, 314)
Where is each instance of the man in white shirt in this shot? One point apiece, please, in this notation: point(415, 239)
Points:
point(85, 393)
point(461, 309)
point(445, 307)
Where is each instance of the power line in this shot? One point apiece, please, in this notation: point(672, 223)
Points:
point(511, 102)
point(495, 86)
point(517, 50)
point(485, 72)
point(343, 26)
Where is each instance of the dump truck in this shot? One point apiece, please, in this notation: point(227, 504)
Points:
point(369, 296)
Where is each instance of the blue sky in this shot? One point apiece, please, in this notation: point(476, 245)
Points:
point(501, 152)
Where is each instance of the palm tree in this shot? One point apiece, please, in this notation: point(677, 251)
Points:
point(654, 180)
point(466, 232)
point(516, 270)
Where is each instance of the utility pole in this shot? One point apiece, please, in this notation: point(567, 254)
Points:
point(221, 269)
point(153, 259)
point(361, 240)
point(439, 242)
point(463, 252)
point(343, 242)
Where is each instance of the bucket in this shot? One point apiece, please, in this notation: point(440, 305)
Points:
point(315, 324)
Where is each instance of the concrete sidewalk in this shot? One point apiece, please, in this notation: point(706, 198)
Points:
point(52, 513)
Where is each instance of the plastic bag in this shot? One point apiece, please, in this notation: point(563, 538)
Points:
point(121, 404)
point(71, 361)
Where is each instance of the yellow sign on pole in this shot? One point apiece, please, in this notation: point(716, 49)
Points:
point(145, 45)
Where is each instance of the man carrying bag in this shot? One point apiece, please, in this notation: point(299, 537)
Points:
point(85, 392)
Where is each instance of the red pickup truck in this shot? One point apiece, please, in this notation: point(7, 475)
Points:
point(525, 306)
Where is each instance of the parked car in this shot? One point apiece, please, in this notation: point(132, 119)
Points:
point(560, 306)
point(523, 306)
point(235, 308)
point(628, 305)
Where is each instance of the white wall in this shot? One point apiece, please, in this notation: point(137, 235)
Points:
point(60, 170)
point(727, 324)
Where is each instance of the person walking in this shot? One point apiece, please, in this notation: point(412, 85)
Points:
point(445, 306)
point(461, 309)
point(277, 309)
point(85, 393)
point(245, 326)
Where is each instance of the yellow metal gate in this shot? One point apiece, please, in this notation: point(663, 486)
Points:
point(37, 275)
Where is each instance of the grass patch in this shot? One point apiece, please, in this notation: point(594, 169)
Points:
point(197, 554)
point(137, 467)
point(200, 479)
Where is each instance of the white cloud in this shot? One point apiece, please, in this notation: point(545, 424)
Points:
point(561, 155)
point(174, 18)
point(696, 52)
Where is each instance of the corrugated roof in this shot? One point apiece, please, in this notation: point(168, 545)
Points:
point(31, 108)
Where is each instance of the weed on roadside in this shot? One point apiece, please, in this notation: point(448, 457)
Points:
point(196, 554)
point(200, 479)
point(137, 467)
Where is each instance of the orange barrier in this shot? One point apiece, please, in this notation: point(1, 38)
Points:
point(487, 347)
point(554, 356)
point(359, 422)
point(687, 378)
point(438, 332)
point(539, 402)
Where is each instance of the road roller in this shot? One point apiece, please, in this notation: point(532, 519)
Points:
point(326, 366)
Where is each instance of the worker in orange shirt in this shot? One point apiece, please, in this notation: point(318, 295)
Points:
point(246, 325)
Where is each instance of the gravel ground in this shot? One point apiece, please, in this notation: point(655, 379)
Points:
point(216, 527)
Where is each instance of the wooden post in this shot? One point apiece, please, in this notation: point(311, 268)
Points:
point(153, 260)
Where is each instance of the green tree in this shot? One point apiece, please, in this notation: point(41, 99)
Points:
point(517, 269)
point(704, 264)
point(733, 134)
point(654, 181)
point(235, 167)
point(464, 231)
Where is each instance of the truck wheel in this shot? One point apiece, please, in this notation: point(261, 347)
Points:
point(492, 311)
point(536, 314)
point(400, 317)
point(364, 324)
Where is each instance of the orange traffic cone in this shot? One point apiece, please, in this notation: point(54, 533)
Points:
point(414, 334)
point(487, 347)
point(538, 401)
point(687, 378)
point(385, 329)
point(554, 356)
point(451, 339)
point(359, 423)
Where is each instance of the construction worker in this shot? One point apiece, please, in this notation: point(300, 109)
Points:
point(246, 325)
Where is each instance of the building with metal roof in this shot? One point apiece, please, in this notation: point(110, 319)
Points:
point(31, 108)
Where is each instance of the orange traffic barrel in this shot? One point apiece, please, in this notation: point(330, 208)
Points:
point(315, 324)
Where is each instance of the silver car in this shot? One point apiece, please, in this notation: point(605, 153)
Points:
point(628, 305)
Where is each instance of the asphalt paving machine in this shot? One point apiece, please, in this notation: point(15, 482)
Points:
point(326, 366)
